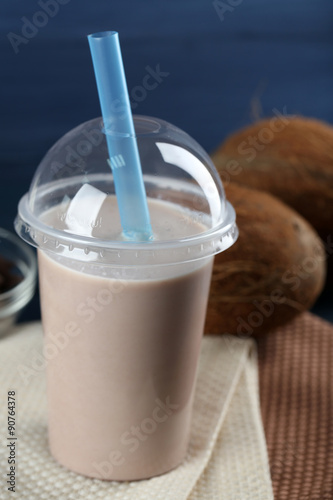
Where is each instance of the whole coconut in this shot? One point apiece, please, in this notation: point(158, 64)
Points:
point(289, 157)
point(275, 270)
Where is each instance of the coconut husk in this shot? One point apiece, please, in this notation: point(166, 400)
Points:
point(275, 270)
point(289, 157)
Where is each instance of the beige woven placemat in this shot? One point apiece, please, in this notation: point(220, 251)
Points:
point(227, 456)
point(296, 387)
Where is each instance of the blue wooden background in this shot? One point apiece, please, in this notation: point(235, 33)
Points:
point(223, 65)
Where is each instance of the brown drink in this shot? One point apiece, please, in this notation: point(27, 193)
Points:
point(121, 381)
point(123, 318)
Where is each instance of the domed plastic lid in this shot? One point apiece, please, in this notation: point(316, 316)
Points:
point(71, 208)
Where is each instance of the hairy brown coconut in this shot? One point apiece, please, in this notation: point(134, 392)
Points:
point(289, 157)
point(275, 270)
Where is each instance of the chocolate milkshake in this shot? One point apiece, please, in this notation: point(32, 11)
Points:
point(121, 381)
point(123, 315)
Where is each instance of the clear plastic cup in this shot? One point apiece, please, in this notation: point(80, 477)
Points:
point(123, 319)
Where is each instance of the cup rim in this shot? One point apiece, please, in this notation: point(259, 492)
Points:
point(198, 246)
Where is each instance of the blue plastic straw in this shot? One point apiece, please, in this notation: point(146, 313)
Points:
point(120, 135)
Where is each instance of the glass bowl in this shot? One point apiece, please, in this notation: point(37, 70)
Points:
point(15, 299)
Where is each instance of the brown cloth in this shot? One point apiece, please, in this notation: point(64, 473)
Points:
point(296, 393)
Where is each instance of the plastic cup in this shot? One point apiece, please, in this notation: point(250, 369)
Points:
point(123, 320)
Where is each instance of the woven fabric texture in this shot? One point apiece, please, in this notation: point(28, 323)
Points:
point(296, 390)
point(227, 457)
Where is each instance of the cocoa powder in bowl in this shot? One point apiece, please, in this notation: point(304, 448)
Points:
point(9, 277)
